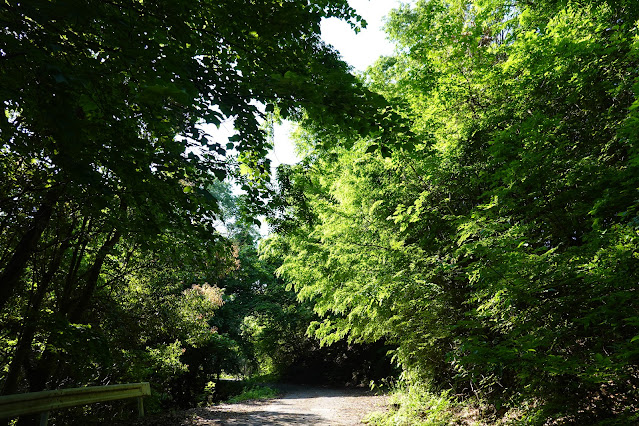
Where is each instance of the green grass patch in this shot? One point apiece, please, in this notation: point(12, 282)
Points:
point(415, 405)
point(255, 393)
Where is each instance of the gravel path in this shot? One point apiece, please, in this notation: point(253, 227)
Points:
point(299, 405)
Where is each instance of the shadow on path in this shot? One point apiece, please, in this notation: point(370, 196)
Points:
point(256, 418)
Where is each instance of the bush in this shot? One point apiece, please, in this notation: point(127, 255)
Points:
point(255, 392)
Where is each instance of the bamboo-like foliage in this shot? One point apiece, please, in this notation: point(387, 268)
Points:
point(500, 253)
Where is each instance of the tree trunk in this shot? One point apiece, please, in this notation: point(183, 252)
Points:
point(10, 276)
point(23, 349)
point(92, 278)
point(42, 372)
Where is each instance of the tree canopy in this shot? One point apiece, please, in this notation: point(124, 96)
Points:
point(110, 184)
point(500, 254)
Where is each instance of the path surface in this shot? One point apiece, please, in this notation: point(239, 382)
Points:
point(300, 405)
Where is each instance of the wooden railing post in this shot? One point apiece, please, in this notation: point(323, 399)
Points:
point(140, 406)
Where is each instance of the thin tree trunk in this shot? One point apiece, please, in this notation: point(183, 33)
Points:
point(42, 372)
point(92, 278)
point(32, 316)
point(64, 299)
point(10, 276)
point(30, 327)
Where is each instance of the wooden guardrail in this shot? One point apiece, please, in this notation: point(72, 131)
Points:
point(45, 401)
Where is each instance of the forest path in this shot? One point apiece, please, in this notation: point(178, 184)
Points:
point(299, 405)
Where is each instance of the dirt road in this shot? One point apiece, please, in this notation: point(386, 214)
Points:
point(299, 405)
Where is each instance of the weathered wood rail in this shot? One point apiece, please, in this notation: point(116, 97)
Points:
point(45, 401)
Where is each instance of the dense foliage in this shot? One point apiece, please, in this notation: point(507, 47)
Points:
point(500, 253)
point(111, 254)
point(268, 327)
point(470, 202)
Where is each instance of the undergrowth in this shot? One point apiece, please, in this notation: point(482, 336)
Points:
point(418, 405)
point(415, 405)
point(254, 393)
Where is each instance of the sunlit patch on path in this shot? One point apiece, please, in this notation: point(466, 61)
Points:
point(300, 405)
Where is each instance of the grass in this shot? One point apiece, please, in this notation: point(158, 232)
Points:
point(255, 393)
point(420, 406)
point(415, 405)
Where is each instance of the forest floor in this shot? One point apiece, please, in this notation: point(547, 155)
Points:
point(298, 405)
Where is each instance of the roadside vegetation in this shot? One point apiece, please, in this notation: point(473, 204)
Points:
point(255, 393)
point(464, 222)
point(497, 247)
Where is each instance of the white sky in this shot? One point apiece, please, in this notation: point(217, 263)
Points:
point(362, 49)
point(359, 50)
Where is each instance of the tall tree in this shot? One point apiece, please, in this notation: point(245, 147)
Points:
point(104, 160)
